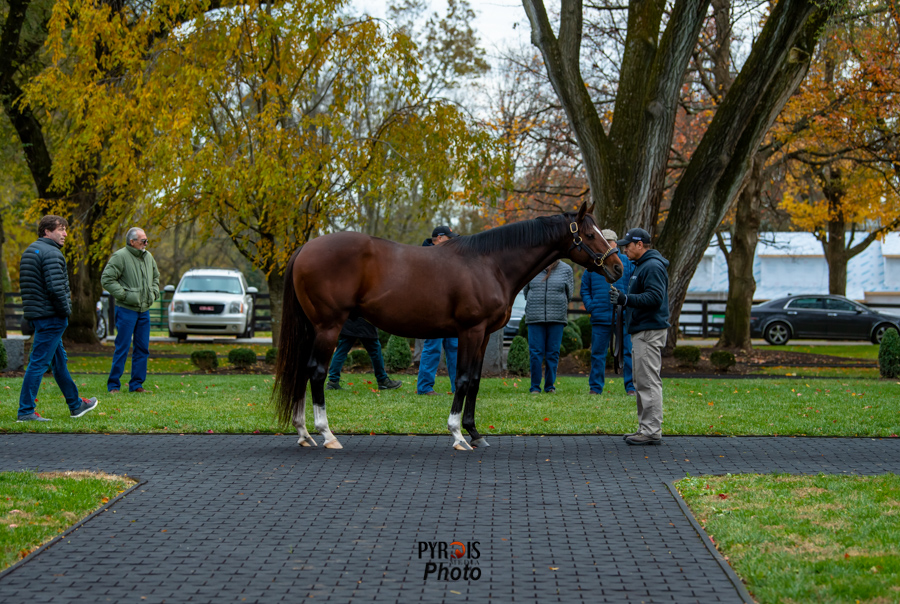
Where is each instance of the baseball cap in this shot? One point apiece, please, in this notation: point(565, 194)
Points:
point(636, 234)
point(443, 230)
point(609, 234)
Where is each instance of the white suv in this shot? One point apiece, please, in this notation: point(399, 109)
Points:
point(211, 301)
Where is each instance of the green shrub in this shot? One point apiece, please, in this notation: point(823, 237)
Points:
point(3, 359)
point(889, 355)
point(271, 356)
point(357, 359)
point(523, 329)
point(397, 355)
point(687, 356)
point(242, 358)
point(721, 360)
point(583, 356)
point(571, 341)
point(518, 361)
point(205, 359)
point(383, 337)
point(584, 326)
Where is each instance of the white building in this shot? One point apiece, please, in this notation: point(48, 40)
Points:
point(794, 263)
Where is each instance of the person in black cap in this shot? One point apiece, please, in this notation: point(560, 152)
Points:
point(430, 357)
point(647, 317)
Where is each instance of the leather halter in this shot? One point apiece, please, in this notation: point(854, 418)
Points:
point(578, 242)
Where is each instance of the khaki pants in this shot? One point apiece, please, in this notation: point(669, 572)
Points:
point(646, 354)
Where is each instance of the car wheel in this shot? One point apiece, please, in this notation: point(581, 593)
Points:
point(101, 328)
point(250, 332)
point(777, 334)
point(879, 332)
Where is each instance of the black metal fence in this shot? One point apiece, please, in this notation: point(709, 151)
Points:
point(702, 318)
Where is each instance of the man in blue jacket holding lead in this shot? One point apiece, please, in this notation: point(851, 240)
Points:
point(647, 318)
point(595, 296)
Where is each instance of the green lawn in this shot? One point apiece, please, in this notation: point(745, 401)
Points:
point(804, 538)
point(850, 351)
point(34, 508)
point(240, 404)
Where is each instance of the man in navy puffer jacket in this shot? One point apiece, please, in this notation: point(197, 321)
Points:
point(595, 295)
point(647, 315)
point(44, 283)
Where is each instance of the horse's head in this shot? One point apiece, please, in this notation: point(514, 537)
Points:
point(590, 249)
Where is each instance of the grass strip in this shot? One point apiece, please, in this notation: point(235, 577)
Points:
point(821, 538)
point(35, 507)
point(240, 404)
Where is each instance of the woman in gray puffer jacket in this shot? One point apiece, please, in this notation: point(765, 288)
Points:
point(547, 312)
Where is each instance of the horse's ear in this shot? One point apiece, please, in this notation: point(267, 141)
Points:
point(581, 212)
point(590, 210)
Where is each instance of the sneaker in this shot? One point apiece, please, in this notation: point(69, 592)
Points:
point(550, 391)
point(430, 393)
point(643, 439)
point(629, 435)
point(389, 384)
point(138, 390)
point(114, 391)
point(32, 417)
point(333, 385)
point(86, 406)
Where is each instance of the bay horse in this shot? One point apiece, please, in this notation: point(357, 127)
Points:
point(462, 288)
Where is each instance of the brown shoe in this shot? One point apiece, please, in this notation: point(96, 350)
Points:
point(139, 390)
point(431, 393)
point(643, 439)
point(627, 436)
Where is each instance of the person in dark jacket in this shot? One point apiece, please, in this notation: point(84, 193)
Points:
point(546, 313)
point(44, 283)
point(359, 329)
point(132, 279)
point(647, 317)
point(430, 358)
point(595, 296)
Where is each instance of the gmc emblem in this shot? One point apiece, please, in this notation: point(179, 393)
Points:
point(209, 308)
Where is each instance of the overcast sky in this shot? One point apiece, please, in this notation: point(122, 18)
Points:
point(499, 23)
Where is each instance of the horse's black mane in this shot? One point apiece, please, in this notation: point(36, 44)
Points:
point(527, 233)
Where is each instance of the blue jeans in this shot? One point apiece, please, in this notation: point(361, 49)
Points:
point(344, 344)
point(431, 358)
point(600, 336)
point(47, 351)
point(544, 342)
point(131, 326)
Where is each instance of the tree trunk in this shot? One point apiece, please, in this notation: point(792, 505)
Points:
point(275, 281)
point(741, 284)
point(4, 280)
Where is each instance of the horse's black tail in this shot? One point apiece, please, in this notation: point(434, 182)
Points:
point(294, 351)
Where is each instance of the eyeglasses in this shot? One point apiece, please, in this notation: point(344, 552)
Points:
point(144, 241)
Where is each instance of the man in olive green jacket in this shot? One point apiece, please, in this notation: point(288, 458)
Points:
point(132, 279)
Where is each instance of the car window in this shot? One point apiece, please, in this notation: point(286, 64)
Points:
point(223, 285)
point(833, 304)
point(519, 302)
point(806, 303)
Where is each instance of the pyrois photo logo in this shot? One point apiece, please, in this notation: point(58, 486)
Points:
point(451, 561)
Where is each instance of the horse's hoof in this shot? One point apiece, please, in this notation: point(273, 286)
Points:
point(307, 442)
point(462, 445)
point(479, 442)
point(334, 444)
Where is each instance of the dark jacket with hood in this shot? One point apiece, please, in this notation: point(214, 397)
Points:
point(647, 304)
point(44, 281)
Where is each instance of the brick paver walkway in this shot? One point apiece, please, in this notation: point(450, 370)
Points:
point(258, 519)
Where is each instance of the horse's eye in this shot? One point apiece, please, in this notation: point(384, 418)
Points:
point(590, 235)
